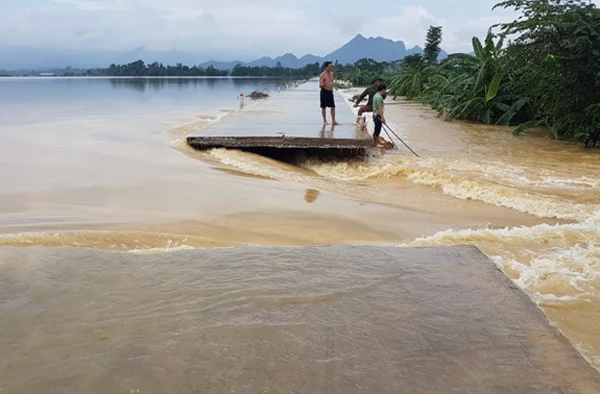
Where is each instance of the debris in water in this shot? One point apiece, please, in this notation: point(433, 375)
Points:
point(258, 95)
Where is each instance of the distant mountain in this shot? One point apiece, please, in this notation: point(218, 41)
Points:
point(379, 49)
point(166, 57)
point(221, 65)
point(287, 60)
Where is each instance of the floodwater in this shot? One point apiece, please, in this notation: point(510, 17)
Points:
point(96, 172)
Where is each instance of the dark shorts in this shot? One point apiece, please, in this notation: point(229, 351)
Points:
point(327, 99)
point(378, 125)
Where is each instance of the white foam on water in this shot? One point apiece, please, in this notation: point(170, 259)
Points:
point(123, 241)
point(553, 264)
point(559, 274)
point(515, 175)
point(544, 257)
point(179, 133)
point(166, 249)
point(492, 183)
point(254, 164)
point(457, 178)
point(542, 206)
point(579, 183)
point(356, 170)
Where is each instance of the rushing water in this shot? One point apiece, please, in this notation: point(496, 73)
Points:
point(102, 164)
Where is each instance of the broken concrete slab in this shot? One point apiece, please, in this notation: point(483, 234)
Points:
point(289, 121)
point(332, 319)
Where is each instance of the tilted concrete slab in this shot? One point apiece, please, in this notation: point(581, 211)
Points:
point(294, 149)
point(294, 142)
point(287, 120)
point(334, 319)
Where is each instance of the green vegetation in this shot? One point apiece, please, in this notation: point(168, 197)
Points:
point(365, 70)
point(547, 75)
point(432, 44)
point(155, 69)
point(360, 73)
point(139, 69)
point(307, 71)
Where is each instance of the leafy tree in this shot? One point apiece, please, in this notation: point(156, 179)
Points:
point(415, 60)
point(432, 44)
point(548, 74)
point(365, 70)
point(557, 54)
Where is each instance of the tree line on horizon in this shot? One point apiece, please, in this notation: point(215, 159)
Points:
point(546, 75)
point(155, 69)
point(359, 73)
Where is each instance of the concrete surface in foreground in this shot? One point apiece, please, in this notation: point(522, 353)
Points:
point(456, 324)
point(335, 319)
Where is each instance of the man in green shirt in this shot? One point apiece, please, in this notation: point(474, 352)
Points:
point(370, 92)
point(378, 113)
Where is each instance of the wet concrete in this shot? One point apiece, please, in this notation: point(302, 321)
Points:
point(334, 319)
point(288, 120)
point(291, 150)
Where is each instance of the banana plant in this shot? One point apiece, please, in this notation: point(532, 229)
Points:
point(409, 82)
point(480, 101)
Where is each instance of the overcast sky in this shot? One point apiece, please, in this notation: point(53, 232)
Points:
point(239, 28)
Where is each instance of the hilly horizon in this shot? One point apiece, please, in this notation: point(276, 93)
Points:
point(377, 48)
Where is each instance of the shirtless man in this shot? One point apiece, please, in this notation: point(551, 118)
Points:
point(326, 85)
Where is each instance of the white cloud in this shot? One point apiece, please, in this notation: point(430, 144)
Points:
point(408, 24)
point(98, 5)
point(249, 28)
point(260, 27)
point(411, 23)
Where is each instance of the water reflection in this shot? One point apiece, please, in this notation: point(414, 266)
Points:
point(58, 99)
point(161, 83)
point(327, 131)
point(311, 195)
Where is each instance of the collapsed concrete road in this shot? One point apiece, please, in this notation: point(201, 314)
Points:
point(331, 319)
point(284, 125)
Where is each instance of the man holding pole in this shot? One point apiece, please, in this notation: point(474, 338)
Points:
point(378, 113)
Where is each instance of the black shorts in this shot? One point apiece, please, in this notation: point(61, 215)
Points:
point(378, 125)
point(327, 99)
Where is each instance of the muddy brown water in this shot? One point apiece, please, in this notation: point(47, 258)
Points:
point(530, 203)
